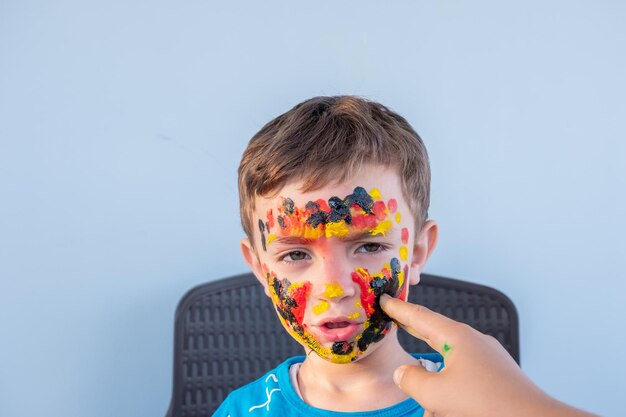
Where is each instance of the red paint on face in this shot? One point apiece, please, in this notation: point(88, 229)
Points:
point(300, 296)
point(392, 205)
point(363, 279)
point(323, 204)
point(405, 235)
point(295, 222)
point(364, 221)
point(404, 290)
point(297, 296)
point(270, 219)
point(379, 209)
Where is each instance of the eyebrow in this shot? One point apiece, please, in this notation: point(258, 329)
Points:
point(292, 240)
point(298, 240)
point(359, 236)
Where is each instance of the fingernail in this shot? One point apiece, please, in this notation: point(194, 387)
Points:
point(383, 299)
point(397, 375)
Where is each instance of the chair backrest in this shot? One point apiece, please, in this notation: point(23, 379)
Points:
point(227, 334)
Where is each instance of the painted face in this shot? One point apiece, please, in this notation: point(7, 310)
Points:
point(328, 261)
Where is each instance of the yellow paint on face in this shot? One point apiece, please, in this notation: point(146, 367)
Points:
point(305, 338)
point(321, 307)
point(333, 290)
point(400, 279)
point(294, 286)
point(404, 253)
point(398, 217)
point(311, 232)
point(270, 238)
point(375, 194)
point(339, 229)
point(301, 333)
point(382, 228)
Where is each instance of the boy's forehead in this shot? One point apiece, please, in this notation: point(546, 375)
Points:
point(371, 204)
point(380, 180)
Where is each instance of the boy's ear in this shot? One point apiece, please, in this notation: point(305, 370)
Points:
point(423, 246)
point(252, 259)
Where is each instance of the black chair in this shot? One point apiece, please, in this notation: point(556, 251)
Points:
point(227, 334)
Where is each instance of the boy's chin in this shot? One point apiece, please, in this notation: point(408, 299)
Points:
point(342, 352)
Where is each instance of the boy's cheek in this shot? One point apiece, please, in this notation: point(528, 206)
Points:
point(290, 300)
point(391, 280)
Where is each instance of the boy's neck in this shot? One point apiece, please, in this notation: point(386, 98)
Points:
point(366, 384)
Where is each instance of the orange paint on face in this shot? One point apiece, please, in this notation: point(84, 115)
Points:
point(270, 219)
point(357, 212)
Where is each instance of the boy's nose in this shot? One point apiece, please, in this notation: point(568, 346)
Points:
point(337, 283)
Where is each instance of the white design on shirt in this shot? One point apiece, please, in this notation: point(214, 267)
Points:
point(268, 393)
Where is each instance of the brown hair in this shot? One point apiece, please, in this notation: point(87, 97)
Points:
point(327, 139)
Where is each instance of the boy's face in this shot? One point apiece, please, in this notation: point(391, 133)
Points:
point(326, 256)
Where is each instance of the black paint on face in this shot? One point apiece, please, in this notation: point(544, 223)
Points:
point(380, 323)
point(317, 216)
point(342, 348)
point(262, 230)
point(361, 198)
point(288, 206)
point(287, 303)
point(339, 211)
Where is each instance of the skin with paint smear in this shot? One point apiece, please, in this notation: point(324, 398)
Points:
point(361, 213)
point(326, 258)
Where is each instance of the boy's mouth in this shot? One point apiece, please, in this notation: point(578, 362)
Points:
point(336, 325)
point(336, 330)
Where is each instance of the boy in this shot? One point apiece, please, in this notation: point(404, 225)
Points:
point(334, 197)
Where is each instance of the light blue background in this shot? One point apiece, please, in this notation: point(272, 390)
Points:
point(121, 128)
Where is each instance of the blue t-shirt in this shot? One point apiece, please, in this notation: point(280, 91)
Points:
point(273, 395)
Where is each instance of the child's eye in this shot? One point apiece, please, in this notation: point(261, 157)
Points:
point(371, 248)
point(294, 256)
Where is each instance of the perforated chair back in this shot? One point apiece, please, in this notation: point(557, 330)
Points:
point(227, 334)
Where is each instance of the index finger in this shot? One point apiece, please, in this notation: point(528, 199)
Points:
point(419, 321)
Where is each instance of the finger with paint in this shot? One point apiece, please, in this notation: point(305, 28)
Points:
point(480, 379)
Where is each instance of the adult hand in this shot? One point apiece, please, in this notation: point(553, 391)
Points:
point(480, 379)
